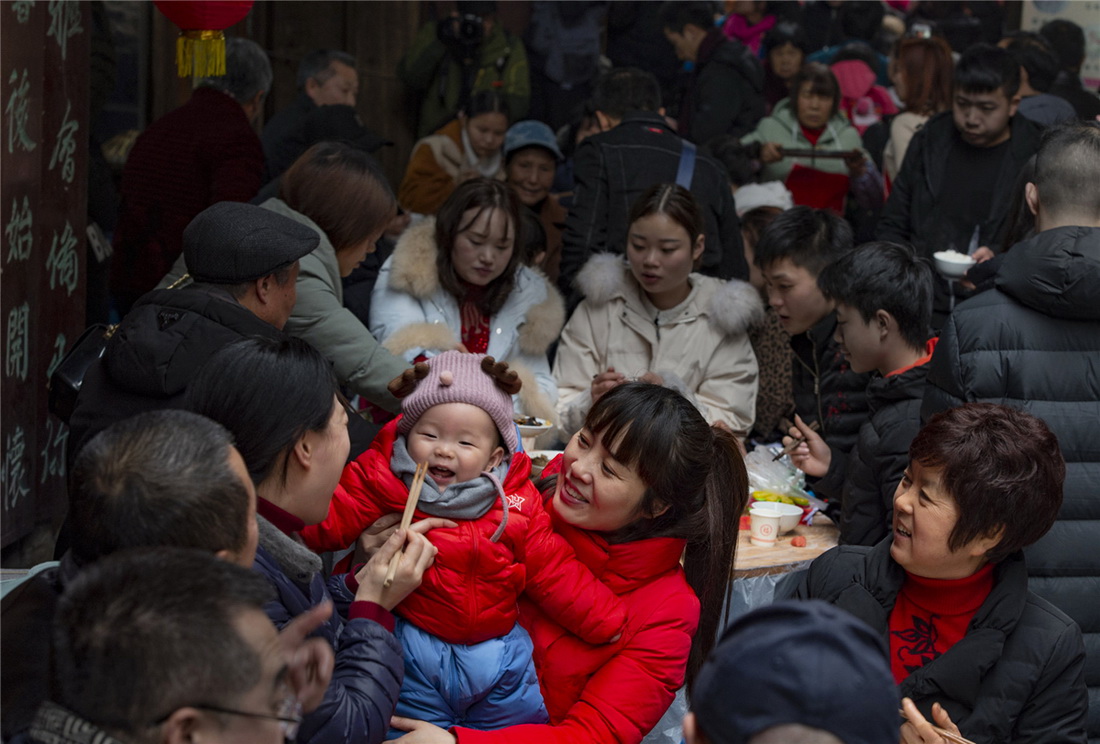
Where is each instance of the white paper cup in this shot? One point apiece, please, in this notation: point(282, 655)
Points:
point(763, 527)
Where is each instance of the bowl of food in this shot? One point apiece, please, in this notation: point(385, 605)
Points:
point(531, 426)
point(952, 264)
point(788, 514)
point(540, 459)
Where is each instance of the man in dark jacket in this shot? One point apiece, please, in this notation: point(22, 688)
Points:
point(1034, 343)
point(328, 87)
point(725, 94)
point(955, 187)
point(245, 263)
point(635, 150)
point(1068, 41)
point(204, 152)
point(162, 478)
point(170, 643)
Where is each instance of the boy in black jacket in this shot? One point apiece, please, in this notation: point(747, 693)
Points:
point(791, 252)
point(883, 296)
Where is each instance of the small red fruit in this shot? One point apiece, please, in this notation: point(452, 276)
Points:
point(798, 541)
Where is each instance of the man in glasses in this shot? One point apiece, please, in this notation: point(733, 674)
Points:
point(166, 645)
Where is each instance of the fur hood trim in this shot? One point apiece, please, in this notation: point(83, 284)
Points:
point(436, 336)
point(732, 306)
point(735, 307)
point(544, 320)
point(413, 264)
point(297, 561)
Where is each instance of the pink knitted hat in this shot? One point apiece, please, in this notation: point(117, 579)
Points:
point(456, 377)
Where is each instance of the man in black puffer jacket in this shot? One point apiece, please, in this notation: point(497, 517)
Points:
point(726, 92)
point(1034, 343)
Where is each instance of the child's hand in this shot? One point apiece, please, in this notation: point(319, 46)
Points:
point(418, 556)
point(813, 456)
point(771, 152)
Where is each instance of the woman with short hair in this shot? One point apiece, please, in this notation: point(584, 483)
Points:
point(972, 649)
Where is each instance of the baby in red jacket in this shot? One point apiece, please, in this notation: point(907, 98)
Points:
point(467, 660)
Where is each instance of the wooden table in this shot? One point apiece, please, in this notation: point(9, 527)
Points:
point(753, 560)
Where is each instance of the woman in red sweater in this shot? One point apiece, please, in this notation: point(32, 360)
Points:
point(645, 482)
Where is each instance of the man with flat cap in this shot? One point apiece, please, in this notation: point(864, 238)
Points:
point(244, 260)
point(795, 673)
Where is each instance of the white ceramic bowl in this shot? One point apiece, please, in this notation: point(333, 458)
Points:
point(532, 430)
point(536, 467)
point(788, 514)
point(952, 264)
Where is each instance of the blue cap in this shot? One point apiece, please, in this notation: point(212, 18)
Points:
point(531, 133)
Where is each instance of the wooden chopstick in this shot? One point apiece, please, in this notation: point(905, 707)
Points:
point(407, 517)
point(814, 426)
point(942, 732)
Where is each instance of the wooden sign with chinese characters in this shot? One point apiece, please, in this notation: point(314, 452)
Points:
point(43, 191)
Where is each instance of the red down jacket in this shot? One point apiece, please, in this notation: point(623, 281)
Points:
point(617, 692)
point(471, 593)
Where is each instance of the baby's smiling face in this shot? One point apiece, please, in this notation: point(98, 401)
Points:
point(457, 440)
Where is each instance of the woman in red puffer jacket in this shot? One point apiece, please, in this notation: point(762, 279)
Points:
point(645, 482)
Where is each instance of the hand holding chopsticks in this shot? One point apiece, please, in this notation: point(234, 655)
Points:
point(916, 729)
point(406, 518)
point(803, 436)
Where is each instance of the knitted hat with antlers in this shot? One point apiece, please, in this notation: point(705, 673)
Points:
point(455, 377)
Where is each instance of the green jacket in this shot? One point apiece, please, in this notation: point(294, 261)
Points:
point(782, 128)
point(427, 68)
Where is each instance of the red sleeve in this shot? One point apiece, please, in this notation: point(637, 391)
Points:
point(563, 587)
point(355, 506)
point(237, 164)
point(626, 698)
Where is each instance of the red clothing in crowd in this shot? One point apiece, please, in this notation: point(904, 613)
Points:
point(616, 692)
point(203, 152)
point(471, 592)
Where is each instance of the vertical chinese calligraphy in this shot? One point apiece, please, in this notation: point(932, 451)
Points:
point(66, 146)
point(62, 261)
point(19, 231)
point(64, 22)
point(53, 452)
point(18, 112)
point(16, 352)
point(22, 10)
point(58, 355)
point(13, 471)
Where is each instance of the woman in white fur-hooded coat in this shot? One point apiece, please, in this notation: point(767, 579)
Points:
point(413, 314)
point(698, 346)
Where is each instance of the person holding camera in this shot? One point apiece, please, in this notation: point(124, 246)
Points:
point(459, 55)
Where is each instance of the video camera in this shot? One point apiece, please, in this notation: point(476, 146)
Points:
point(463, 32)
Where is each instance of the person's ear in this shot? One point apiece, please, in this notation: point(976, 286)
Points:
point(1031, 196)
point(184, 726)
point(264, 285)
point(700, 245)
point(303, 452)
point(657, 510)
point(884, 323)
point(980, 546)
point(604, 121)
point(496, 458)
point(1013, 105)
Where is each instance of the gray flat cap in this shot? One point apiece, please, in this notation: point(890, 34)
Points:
point(232, 242)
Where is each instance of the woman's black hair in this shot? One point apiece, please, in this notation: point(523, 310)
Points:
point(480, 194)
point(1020, 224)
point(696, 485)
point(268, 393)
point(785, 32)
point(486, 102)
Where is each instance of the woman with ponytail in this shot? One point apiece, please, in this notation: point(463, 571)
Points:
point(644, 482)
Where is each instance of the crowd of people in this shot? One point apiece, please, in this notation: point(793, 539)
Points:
point(670, 233)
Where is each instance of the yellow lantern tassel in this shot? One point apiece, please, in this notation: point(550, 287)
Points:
point(200, 54)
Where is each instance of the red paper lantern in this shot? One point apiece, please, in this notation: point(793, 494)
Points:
point(200, 48)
